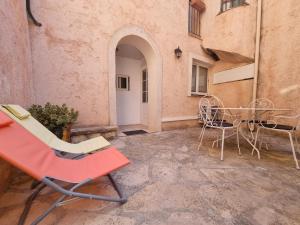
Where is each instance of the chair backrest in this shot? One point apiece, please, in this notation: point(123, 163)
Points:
point(209, 110)
point(26, 152)
point(261, 103)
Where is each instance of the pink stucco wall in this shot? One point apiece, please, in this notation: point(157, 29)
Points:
point(233, 30)
point(70, 52)
point(233, 94)
point(15, 63)
point(279, 78)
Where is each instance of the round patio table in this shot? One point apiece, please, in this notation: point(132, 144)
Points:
point(243, 109)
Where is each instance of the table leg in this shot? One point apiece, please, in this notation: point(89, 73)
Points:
point(250, 142)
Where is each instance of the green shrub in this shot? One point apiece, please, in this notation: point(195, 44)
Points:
point(54, 117)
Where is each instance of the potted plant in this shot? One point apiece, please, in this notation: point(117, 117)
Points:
point(58, 119)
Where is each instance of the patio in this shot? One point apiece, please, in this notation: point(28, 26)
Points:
point(170, 182)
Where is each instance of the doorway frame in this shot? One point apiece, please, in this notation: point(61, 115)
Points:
point(140, 39)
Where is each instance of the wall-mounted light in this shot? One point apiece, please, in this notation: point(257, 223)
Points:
point(29, 13)
point(178, 52)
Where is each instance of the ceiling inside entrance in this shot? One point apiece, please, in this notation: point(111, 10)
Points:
point(129, 51)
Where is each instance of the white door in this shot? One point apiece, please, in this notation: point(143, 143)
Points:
point(128, 84)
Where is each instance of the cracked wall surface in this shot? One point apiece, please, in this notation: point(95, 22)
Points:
point(15, 58)
point(15, 64)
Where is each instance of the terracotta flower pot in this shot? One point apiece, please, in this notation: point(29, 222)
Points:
point(67, 133)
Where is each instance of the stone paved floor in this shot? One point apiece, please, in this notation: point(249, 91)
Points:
point(171, 183)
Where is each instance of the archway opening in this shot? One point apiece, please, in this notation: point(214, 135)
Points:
point(132, 46)
point(131, 88)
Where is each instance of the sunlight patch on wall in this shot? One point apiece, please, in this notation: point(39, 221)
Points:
point(289, 89)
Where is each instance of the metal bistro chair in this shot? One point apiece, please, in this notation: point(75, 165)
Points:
point(212, 116)
point(290, 130)
point(259, 117)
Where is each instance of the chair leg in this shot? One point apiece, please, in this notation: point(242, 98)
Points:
point(252, 135)
point(255, 142)
point(34, 184)
point(201, 137)
point(238, 141)
point(297, 143)
point(267, 146)
point(222, 148)
point(260, 144)
point(216, 142)
point(219, 138)
point(293, 150)
point(29, 202)
point(67, 193)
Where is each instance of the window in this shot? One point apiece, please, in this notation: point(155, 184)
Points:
point(194, 21)
point(228, 4)
point(199, 79)
point(145, 86)
point(123, 82)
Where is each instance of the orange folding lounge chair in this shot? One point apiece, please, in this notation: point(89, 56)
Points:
point(28, 153)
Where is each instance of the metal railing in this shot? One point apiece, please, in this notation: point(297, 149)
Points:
point(228, 4)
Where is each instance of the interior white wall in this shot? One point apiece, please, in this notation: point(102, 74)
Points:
point(129, 102)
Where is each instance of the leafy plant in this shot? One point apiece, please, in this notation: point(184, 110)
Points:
point(54, 117)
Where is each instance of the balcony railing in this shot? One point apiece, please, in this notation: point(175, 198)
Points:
point(194, 21)
point(228, 4)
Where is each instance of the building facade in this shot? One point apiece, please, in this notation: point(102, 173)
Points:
point(115, 61)
point(83, 48)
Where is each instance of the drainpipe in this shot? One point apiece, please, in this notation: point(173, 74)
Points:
point(257, 48)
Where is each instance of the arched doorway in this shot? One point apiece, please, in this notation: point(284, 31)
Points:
point(137, 38)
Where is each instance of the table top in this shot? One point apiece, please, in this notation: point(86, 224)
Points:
point(256, 109)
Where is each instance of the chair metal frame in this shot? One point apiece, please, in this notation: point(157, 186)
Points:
point(26, 152)
point(275, 126)
point(214, 117)
point(259, 117)
point(50, 182)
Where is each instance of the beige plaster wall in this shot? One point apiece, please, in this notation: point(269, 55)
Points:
point(15, 64)
point(233, 30)
point(279, 78)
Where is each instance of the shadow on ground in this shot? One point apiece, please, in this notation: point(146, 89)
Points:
point(171, 183)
